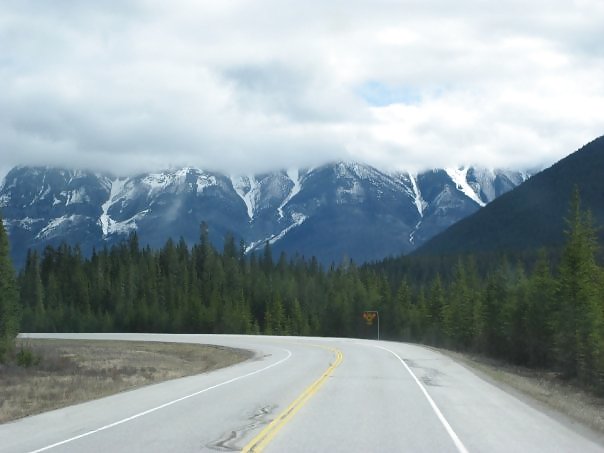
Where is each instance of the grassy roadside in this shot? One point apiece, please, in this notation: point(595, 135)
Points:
point(66, 372)
point(544, 387)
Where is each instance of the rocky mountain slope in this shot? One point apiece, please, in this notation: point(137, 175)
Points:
point(331, 212)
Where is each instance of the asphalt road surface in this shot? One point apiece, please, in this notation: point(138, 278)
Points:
point(305, 395)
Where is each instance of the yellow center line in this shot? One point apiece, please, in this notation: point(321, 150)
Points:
point(259, 443)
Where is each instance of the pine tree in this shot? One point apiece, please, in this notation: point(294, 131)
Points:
point(299, 321)
point(539, 313)
point(436, 300)
point(230, 250)
point(267, 259)
point(32, 294)
point(491, 338)
point(9, 308)
point(516, 317)
point(279, 324)
point(459, 313)
point(401, 314)
point(419, 316)
point(579, 336)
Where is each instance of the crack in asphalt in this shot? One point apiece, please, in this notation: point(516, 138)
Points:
point(228, 441)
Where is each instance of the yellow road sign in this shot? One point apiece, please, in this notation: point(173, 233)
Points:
point(369, 317)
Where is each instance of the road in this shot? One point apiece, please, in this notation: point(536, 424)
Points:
point(305, 395)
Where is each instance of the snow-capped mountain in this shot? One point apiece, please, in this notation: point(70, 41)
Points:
point(333, 211)
point(533, 217)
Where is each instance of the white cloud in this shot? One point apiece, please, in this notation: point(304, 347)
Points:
point(244, 85)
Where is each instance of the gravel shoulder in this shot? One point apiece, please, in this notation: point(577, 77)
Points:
point(66, 372)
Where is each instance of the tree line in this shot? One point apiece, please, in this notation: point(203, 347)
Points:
point(548, 314)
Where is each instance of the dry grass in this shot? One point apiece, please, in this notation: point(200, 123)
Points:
point(545, 387)
point(72, 371)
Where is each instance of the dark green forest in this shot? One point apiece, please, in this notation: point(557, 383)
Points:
point(544, 310)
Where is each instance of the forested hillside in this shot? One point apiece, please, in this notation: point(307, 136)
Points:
point(542, 316)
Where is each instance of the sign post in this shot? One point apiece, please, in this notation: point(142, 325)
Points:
point(369, 316)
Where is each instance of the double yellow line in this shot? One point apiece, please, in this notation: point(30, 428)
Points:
point(259, 443)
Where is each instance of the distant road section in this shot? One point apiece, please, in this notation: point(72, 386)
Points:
point(303, 395)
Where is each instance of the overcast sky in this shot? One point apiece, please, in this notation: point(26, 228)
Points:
point(252, 85)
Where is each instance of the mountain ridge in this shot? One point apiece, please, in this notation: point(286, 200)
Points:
point(343, 209)
point(533, 213)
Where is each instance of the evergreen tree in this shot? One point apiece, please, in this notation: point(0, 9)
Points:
point(267, 259)
point(491, 338)
point(516, 315)
point(459, 313)
point(9, 298)
point(433, 330)
point(540, 313)
point(230, 250)
point(299, 324)
point(419, 315)
point(579, 335)
point(401, 313)
point(32, 294)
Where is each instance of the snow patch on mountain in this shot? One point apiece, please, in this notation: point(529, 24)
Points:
point(484, 183)
point(26, 223)
point(459, 177)
point(4, 200)
point(419, 202)
point(126, 226)
point(44, 192)
point(298, 219)
point(413, 232)
point(53, 225)
point(107, 223)
point(247, 188)
point(204, 181)
point(77, 196)
point(58, 223)
point(294, 176)
point(73, 174)
point(166, 181)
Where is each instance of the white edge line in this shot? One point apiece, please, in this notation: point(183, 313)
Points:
point(458, 443)
point(170, 403)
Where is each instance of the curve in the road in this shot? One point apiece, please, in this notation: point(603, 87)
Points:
point(162, 406)
point(456, 440)
point(385, 397)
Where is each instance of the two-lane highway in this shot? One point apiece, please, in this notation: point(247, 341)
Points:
point(304, 395)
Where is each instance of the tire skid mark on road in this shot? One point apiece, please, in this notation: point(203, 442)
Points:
point(456, 440)
point(157, 408)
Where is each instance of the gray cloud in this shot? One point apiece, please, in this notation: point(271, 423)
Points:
point(249, 86)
